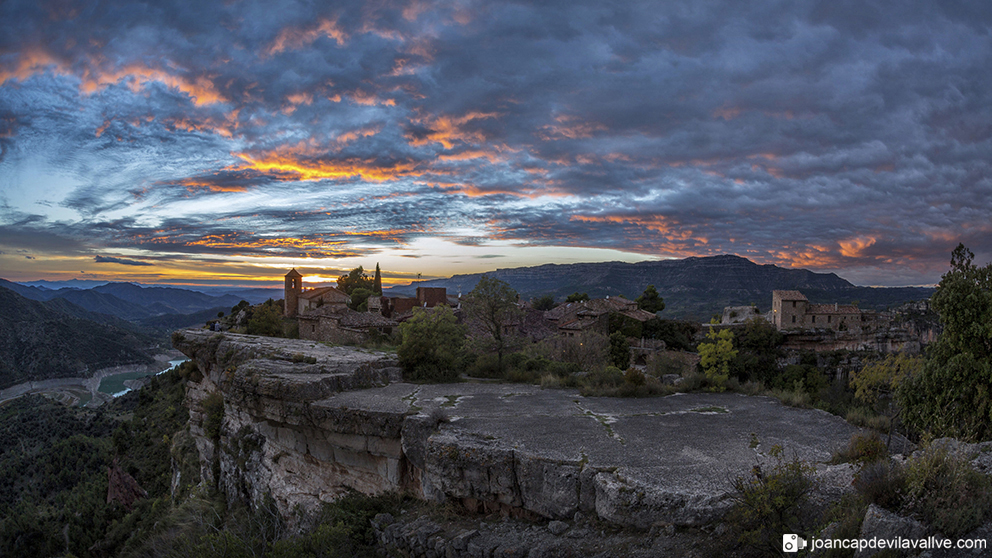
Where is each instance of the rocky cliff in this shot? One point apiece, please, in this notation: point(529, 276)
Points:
point(303, 422)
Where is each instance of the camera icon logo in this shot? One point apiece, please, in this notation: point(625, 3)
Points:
point(793, 543)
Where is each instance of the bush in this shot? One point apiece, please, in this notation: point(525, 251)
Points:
point(213, 409)
point(768, 504)
point(882, 483)
point(947, 492)
point(792, 398)
point(619, 350)
point(716, 354)
point(862, 449)
point(611, 376)
point(266, 319)
point(432, 345)
point(859, 416)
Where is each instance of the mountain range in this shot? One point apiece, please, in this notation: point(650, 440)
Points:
point(140, 304)
point(693, 288)
point(57, 339)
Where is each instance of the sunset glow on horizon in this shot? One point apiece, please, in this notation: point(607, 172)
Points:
point(225, 143)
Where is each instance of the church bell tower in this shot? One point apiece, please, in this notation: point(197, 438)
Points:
point(294, 286)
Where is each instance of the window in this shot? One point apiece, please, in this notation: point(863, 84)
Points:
point(793, 303)
point(793, 319)
point(814, 319)
point(828, 319)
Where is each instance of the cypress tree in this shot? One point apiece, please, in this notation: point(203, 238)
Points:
point(377, 282)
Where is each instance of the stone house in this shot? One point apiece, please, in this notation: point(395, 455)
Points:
point(299, 301)
point(593, 315)
point(321, 297)
point(792, 310)
point(336, 325)
point(323, 313)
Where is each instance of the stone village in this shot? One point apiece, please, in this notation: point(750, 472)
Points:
point(324, 315)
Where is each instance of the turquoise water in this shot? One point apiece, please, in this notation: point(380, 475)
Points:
point(114, 385)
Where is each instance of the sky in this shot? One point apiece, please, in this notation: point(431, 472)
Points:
point(225, 142)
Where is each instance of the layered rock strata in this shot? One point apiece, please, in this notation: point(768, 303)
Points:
point(304, 422)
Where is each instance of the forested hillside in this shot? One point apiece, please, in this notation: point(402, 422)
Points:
point(693, 288)
point(44, 340)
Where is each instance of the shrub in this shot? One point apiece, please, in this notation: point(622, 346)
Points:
point(661, 363)
point(611, 376)
point(619, 350)
point(213, 409)
point(862, 449)
point(716, 354)
point(768, 504)
point(484, 366)
point(633, 377)
point(859, 416)
point(266, 319)
point(947, 492)
point(793, 398)
point(882, 483)
point(432, 344)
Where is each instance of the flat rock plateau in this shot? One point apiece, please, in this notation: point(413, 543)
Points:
point(304, 422)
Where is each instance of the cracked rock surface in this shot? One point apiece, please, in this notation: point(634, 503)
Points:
point(305, 422)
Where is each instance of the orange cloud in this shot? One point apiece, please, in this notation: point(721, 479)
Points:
point(31, 62)
point(447, 130)
point(297, 38)
point(570, 127)
point(671, 230)
point(200, 88)
point(366, 98)
point(365, 132)
point(855, 247)
point(470, 154)
point(302, 162)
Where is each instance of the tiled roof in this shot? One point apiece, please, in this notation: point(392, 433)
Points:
point(789, 295)
point(325, 292)
point(638, 314)
point(594, 307)
point(365, 319)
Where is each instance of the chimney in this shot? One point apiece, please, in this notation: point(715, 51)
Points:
point(835, 307)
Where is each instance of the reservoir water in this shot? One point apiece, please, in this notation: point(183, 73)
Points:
point(114, 384)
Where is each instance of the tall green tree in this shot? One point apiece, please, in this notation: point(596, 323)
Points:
point(952, 396)
point(716, 353)
point(492, 308)
point(650, 300)
point(359, 299)
point(266, 319)
point(432, 345)
point(619, 350)
point(546, 302)
point(356, 279)
point(377, 281)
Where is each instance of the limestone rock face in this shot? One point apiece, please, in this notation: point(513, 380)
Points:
point(880, 523)
point(303, 422)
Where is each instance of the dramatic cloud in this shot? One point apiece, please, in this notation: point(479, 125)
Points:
point(843, 136)
point(122, 261)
